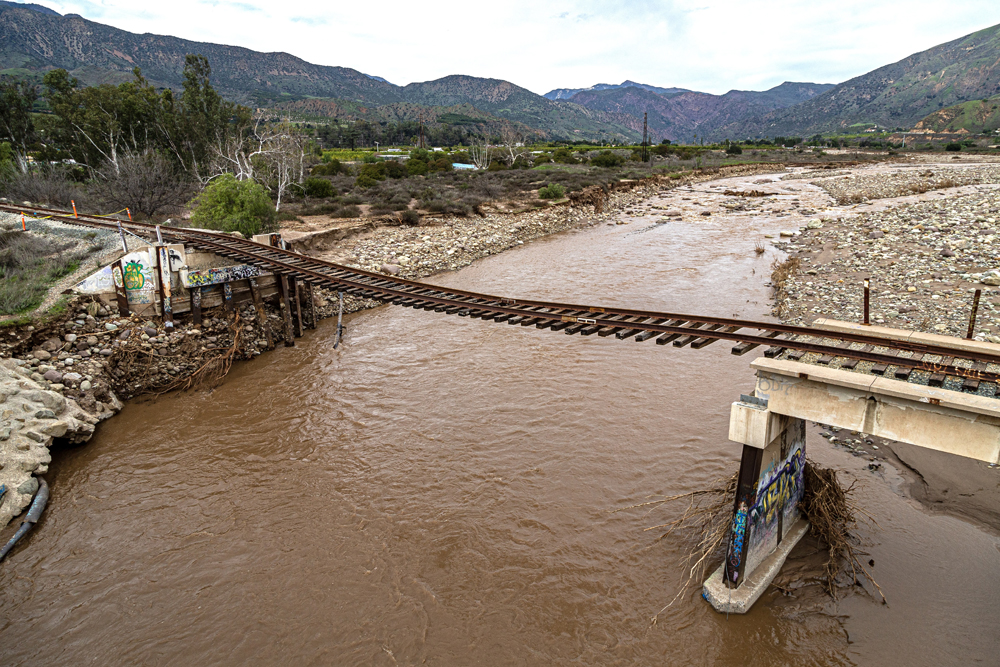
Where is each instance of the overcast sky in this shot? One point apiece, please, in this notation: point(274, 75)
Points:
point(697, 44)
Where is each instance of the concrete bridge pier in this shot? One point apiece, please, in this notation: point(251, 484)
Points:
point(766, 523)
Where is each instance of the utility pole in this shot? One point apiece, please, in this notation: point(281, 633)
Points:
point(645, 154)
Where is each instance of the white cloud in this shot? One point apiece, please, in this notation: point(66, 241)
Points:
point(702, 45)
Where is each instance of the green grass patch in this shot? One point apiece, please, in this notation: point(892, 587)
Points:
point(29, 265)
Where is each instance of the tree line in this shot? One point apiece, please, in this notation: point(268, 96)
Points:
point(137, 146)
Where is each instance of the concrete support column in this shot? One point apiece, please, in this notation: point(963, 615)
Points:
point(766, 523)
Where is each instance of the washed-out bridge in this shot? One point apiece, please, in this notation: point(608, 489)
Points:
point(925, 389)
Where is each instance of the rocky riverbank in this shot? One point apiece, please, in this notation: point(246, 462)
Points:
point(925, 259)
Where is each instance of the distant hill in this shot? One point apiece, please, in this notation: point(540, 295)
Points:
point(35, 8)
point(968, 117)
point(680, 116)
point(95, 53)
point(894, 96)
point(34, 42)
point(34, 39)
point(502, 98)
point(465, 115)
point(566, 93)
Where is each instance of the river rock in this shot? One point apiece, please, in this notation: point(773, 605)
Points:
point(25, 451)
point(72, 377)
point(391, 269)
point(53, 376)
point(41, 355)
point(877, 234)
point(70, 338)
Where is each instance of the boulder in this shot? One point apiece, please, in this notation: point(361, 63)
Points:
point(24, 446)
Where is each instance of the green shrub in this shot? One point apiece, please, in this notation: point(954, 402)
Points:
point(318, 187)
point(552, 191)
point(441, 164)
point(564, 156)
point(331, 168)
point(542, 159)
point(955, 146)
point(370, 174)
point(394, 169)
point(497, 165)
point(285, 216)
point(229, 205)
point(416, 167)
point(607, 160)
point(349, 211)
point(410, 217)
point(734, 149)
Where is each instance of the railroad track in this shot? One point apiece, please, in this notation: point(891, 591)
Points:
point(898, 359)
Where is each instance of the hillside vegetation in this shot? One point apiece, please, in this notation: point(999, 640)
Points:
point(976, 117)
point(894, 96)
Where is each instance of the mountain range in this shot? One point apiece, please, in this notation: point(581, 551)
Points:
point(566, 93)
point(35, 39)
point(894, 96)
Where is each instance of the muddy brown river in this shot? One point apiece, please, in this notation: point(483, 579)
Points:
point(440, 491)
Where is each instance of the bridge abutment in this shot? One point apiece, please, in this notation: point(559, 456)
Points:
point(766, 522)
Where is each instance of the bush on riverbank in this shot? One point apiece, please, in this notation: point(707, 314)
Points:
point(229, 205)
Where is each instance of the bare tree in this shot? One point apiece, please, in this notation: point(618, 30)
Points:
point(147, 183)
point(481, 153)
point(513, 144)
point(273, 154)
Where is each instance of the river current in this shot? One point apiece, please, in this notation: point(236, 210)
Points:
point(441, 491)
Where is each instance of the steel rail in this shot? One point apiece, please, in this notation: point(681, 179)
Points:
point(681, 329)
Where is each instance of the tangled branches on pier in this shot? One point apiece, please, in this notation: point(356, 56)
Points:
point(832, 515)
point(215, 367)
point(705, 522)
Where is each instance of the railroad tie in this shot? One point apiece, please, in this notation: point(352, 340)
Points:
point(702, 342)
point(852, 363)
point(683, 341)
point(743, 348)
point(776, 350)
point(938, 379)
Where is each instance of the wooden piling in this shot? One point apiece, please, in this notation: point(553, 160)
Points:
point(286, 311)
point(166, 306)
point(867, 301)
point(972, 315)
point(227, 298)
point(295, 286)
point(196, 306)
point(118, 277)
point(258, 305)
point(311, 304)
